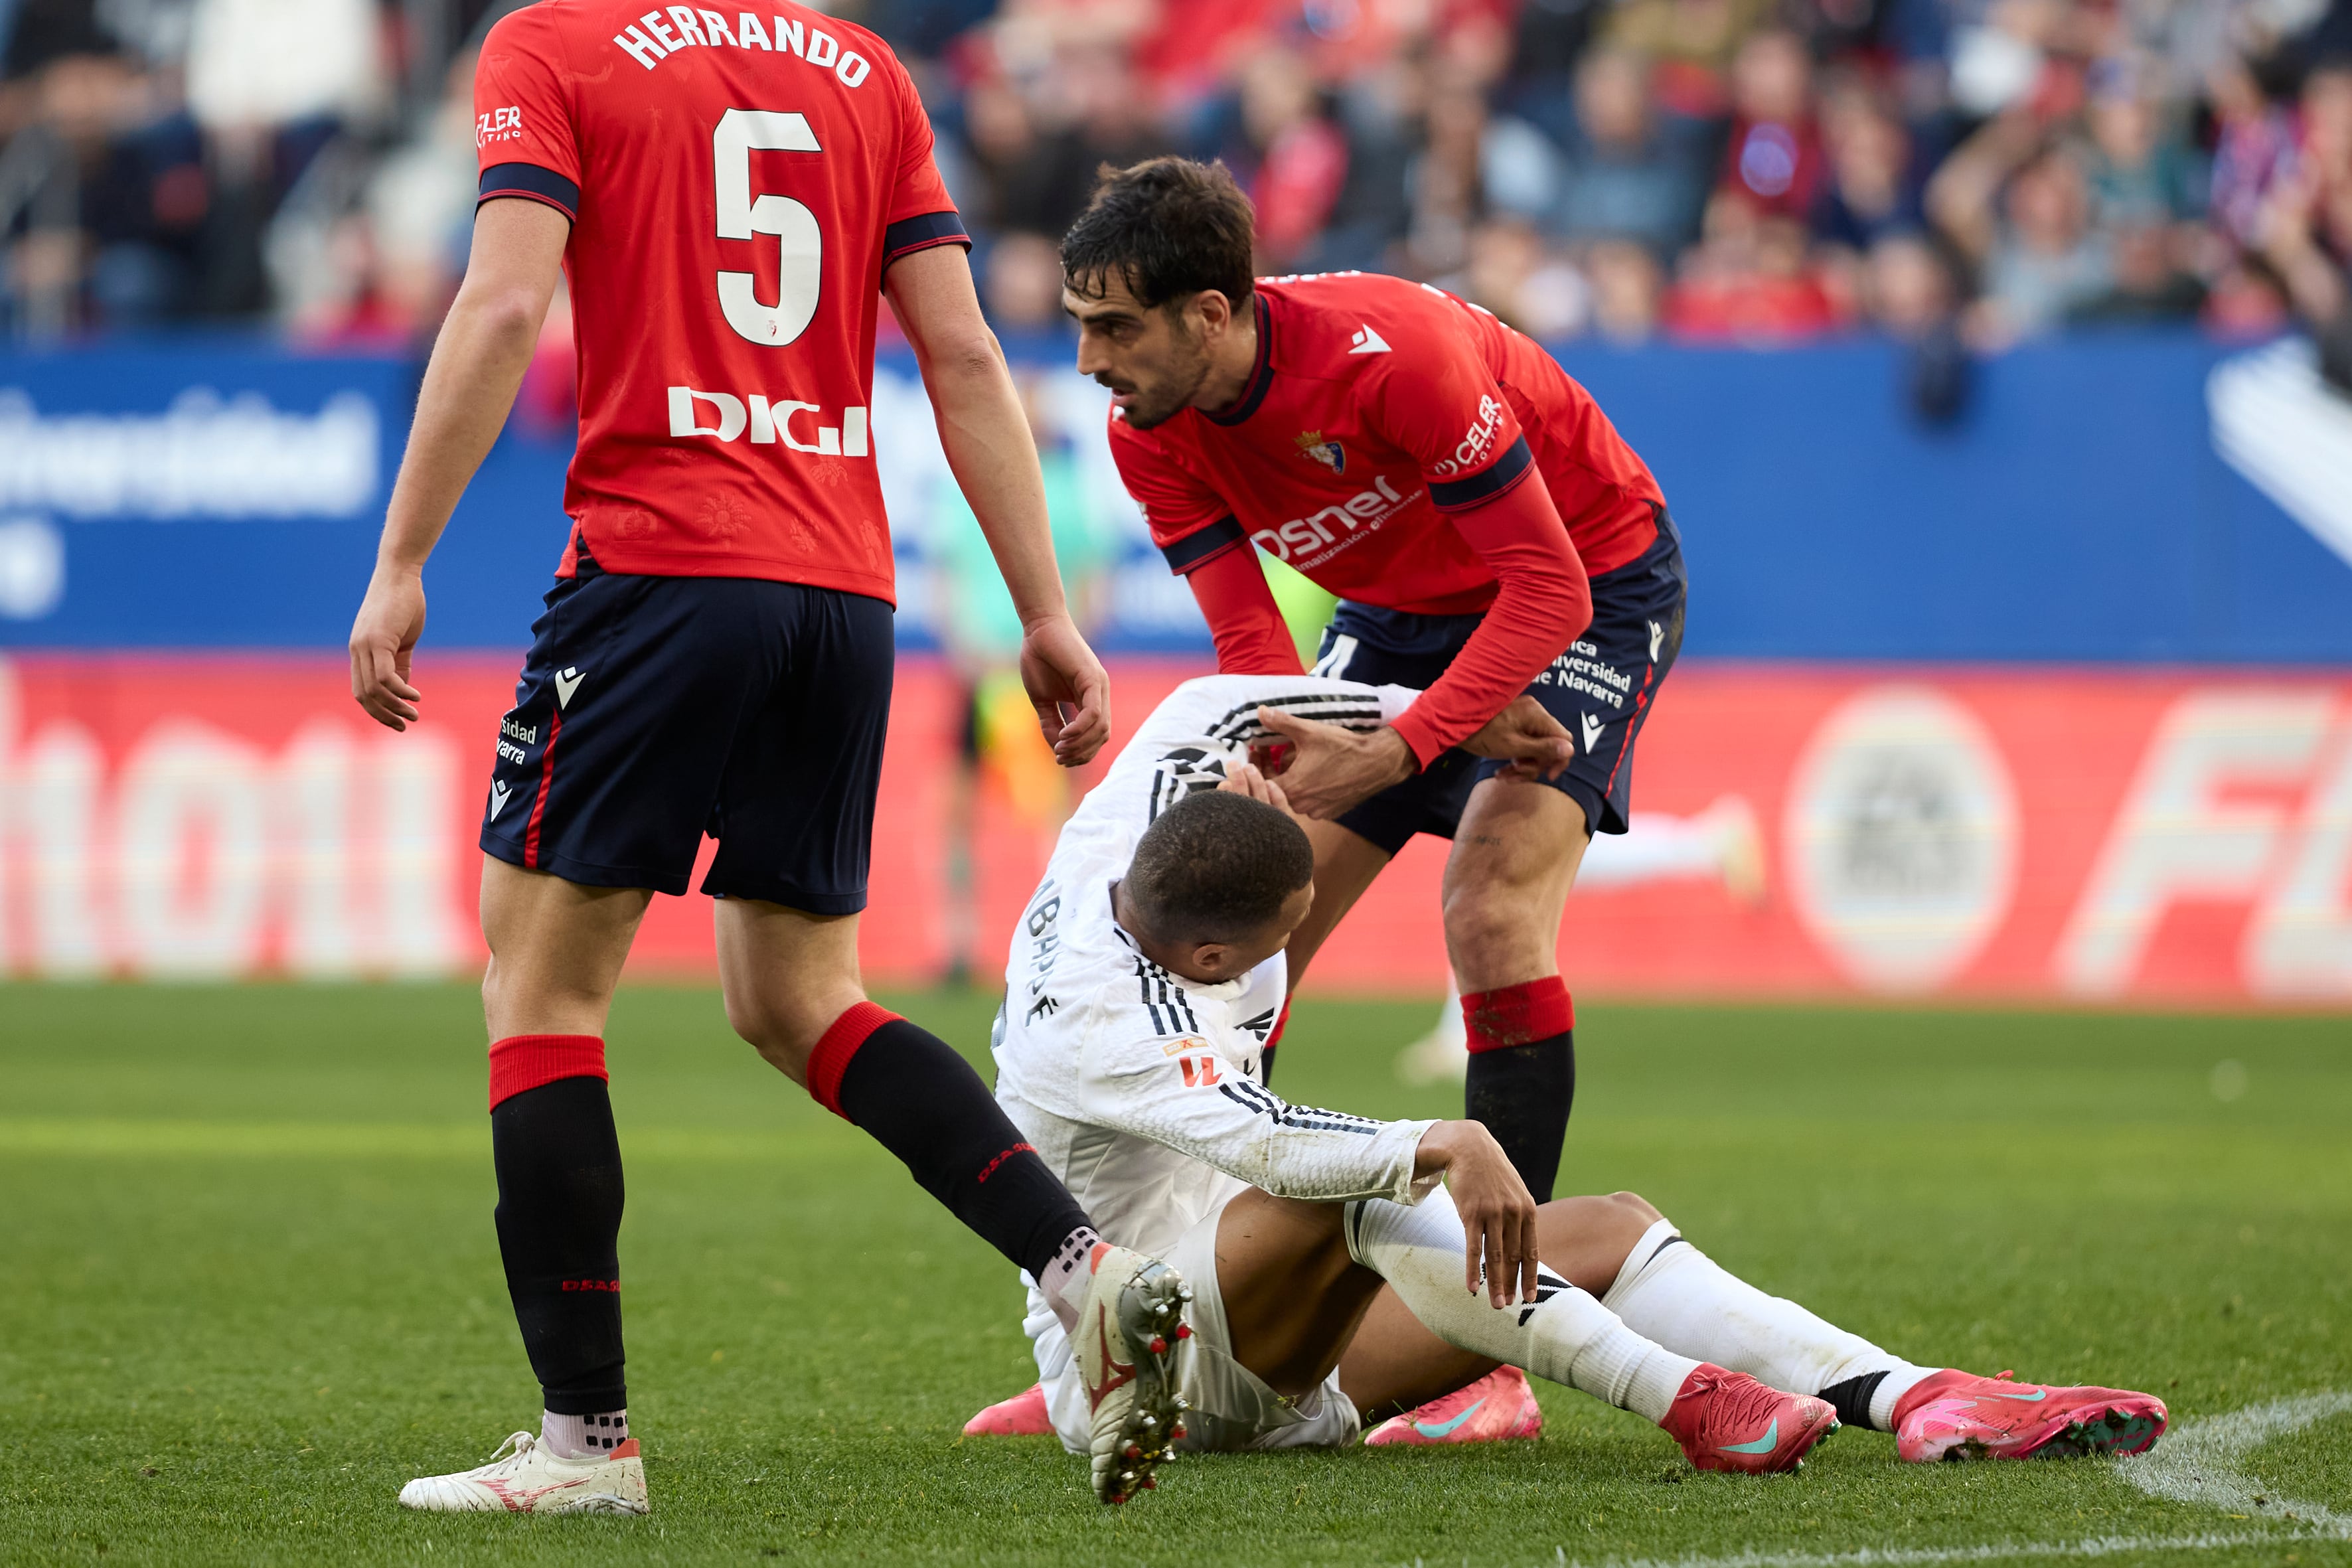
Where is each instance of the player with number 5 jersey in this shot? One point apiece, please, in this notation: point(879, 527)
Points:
point(731, 195)
point(763, 170)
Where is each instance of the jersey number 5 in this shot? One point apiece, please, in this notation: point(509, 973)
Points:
point(741, 214)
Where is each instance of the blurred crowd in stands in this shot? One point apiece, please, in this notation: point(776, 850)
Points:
point(1745, 170)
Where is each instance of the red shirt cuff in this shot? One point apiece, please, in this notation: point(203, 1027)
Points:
point(1426, 747)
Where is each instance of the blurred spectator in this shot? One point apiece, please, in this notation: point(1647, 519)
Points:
point(1300, 156)
point(1626, 290)
point(1033, 179)
point(1693, 41)
point(2307, 224)
point(308, 160)
point(1551, 37)
point(1773, 161)
point(1908, 287)
point(1872, 186)
point(2141, 171)
point(2020, 209)
point(40, 31)
point(1750, 280)
point(1510, 274)
point(1626, 175)
point(397, 250)
point(2145, 283)
point(2254, 151)
point(1022, 283)
point(1442, 182)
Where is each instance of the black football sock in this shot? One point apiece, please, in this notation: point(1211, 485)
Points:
point(1523, 1094)
point(560, 1196)
point(1522, 1077)
point(1851, 1399)
point(915, 1095)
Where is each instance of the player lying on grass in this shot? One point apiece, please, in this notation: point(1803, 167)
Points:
point(1342, 1265)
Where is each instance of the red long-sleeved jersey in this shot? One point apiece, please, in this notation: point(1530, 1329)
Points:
point(1381, 447)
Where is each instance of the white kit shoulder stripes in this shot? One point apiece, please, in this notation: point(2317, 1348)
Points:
point(1142, 1089)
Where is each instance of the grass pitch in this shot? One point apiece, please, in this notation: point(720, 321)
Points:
point(248, 1286)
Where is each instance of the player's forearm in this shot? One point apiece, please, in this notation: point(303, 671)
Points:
point(1290, 1151)
point(1544, 604)
point(1243, 619)
point(477, 366)
point(986, 438)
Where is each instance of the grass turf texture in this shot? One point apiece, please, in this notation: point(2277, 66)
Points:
point(248, 1286)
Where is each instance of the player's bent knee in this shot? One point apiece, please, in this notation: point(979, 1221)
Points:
point(1639, 1207)
point(774, 1037)
point(1484, 910)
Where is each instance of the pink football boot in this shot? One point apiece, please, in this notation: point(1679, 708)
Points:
point(1728, 1421)
point(1023, 1415)
point(1499, 1408)
point(1957, 1415)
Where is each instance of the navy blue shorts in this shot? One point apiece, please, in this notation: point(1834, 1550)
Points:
point(654, 709)
point(1601, 688)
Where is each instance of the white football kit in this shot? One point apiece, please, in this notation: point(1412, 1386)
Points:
point(1141, 1090)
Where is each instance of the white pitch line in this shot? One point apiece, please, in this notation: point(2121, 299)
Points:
point(1992, 1552)
point(2200, 1462)
point(2197, 1462)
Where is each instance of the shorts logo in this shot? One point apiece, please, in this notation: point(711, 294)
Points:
point(498, 795)
point(1593, 725)
point(567, 681)
point(1657, 636)
point(1200, 1072)
point(1330, 454)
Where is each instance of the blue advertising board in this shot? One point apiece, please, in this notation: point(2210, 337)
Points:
point(2135, 498)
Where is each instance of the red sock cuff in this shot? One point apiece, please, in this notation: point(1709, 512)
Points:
point(839, 1043)
point(1517, 1014)
point(1281, 1022)
point(526, 1061)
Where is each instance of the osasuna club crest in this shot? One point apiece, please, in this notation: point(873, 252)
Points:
point(1330, 454)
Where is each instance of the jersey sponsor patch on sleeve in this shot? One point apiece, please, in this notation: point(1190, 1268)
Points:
point(500, 124)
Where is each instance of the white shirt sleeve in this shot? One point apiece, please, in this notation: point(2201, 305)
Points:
point(1176, 1090)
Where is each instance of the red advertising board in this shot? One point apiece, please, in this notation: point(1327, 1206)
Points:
point(2150, 837)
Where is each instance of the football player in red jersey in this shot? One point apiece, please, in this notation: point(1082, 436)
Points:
point(1487, 531)
point(729, 194)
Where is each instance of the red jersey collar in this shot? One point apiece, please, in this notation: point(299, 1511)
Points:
point(1261, 377)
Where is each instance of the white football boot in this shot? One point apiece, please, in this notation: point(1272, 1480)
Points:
point(1130, 1333)
point(524, 1478)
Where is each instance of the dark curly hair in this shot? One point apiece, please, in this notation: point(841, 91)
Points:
point(1169, 229)
point(1216, 867)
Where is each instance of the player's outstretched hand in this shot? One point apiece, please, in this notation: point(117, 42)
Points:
point(384, 638)
point(1333, 770)
point(1498, 1213)
point(1247, 780)
point(1536, 745)
point(1069, 689)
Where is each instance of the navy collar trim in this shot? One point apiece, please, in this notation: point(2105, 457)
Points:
point(1260, 379)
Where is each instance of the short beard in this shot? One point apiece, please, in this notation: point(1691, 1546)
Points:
point(1181, 398)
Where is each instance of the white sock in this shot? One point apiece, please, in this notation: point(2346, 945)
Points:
point(1564, 1334)
point(1066, 1277)
point(583, 1436)
point(1680, 1297)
